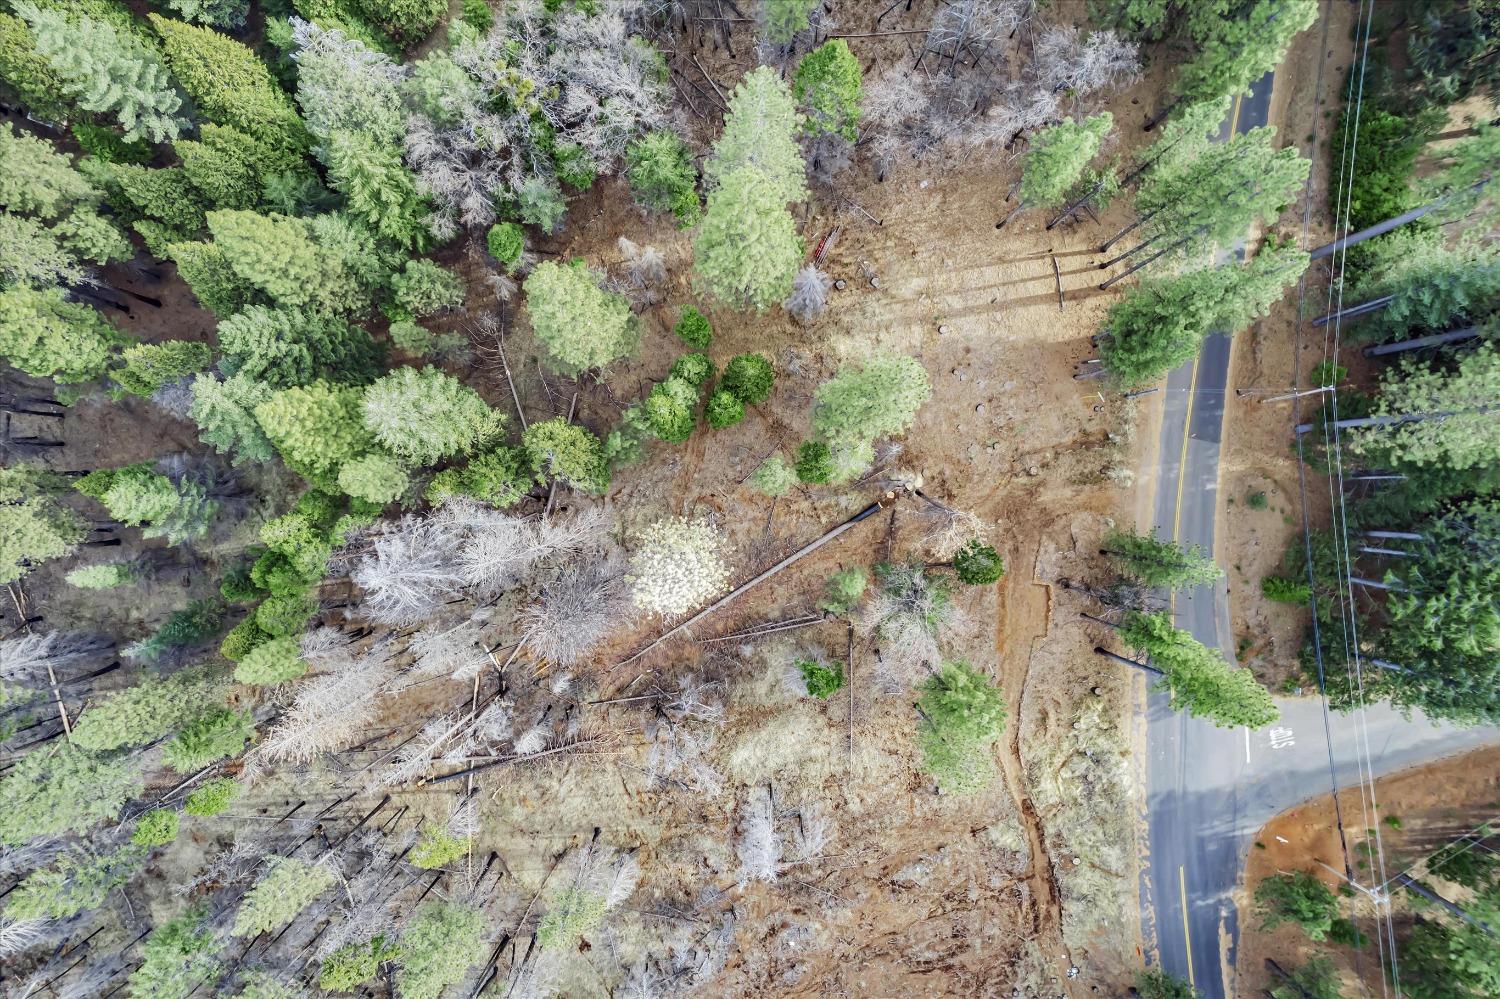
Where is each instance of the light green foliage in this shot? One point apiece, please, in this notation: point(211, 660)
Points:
point(25, 72)
point(162, 195)
point(963, 713)
point(80, 880)
point(748, 377)
point(147, 711)
point(43, 334)
point(225, 414)
point(1285, 591)
point(437, 848)
point(1296, 898)
point(1233, 51)
point(63, 788)
point(34, 527)
point(354, 964)
point(264, 985)
point(774, 477)
point(377, 478)
point(1159, 324)
point(1198, 678)
point(215, 735)
point(279, 256)
point(411, 338)
point(107, 70)
point(1158, 563)
point(214, 13)
point(978, 564)
point(878, 399)
point(572, 913)
point(276, 660)
point(316, 428)
point(40, 186)
point(283, 614)
point(506, 242)
point(822, 680)
point(140, 497)
point(693, 329)
point(1057, 157)
point(670, 410)
point(229, 84)
point(844, 590)
point(1317, 979)
point(747, 250)
point(422, 415)
point(1435, 285)
point(828, 84)
point(662, 176)
point(101, 577)
point(724, 409)
point(425, 287)
point(157, 827)
point(207, 271)
point(1463, 178)
point(179, 958)
point(438, 946)
point(581, 325)
point(300, 539)
point(782, 19)
point(1468, 438)
point(1154, 983)
point(499, 477)
point(211, 797)
point(814, 463)
point(227, 165)
point(149, 366)
point(694, 368)
point(282, 348)
point(288, 887)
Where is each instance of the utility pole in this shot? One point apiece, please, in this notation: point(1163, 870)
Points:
point(1386, 421)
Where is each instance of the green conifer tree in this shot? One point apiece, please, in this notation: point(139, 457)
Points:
point(581, 325)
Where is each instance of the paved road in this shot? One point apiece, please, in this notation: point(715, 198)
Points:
point(1210, 789)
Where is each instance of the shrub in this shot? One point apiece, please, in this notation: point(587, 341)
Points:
point(963, 713)
point(1285, 591)
point(1257, 500)
point(211, 797)
point(774, 477)
point(157, 827)
point(354, 964)
point(670, 410)
point(844, 590)
point(424, 287)
point(694, 329)
point(101, 577)
point(437, 848)
point(1153, 983)
point(660, 169)
point(977, 564)
point(506, 242)
point(285, 613)
point(273, 661)
point(149, 366)
point(748, 378)
point(814, 463)
point(1296, 898)
point(216, 735)
point(288, 887)
point(677, 565)
point(695, 369)
point(437, 948)
point(822, 681)
point(724, 409)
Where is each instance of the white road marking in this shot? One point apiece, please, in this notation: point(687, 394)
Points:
point(1247, 742)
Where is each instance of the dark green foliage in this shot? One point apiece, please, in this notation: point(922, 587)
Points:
point(695, 369)
point(724, 409)
point(105, 143)
point(354, 964)
point(671, 409)
point(62, 788)
point(1386, 145)
point(821, 680)
point(213, 281)
point(179, 958)
point(662, 176)
point(963, 713)
point(748, 378)
point(477, 14)
point(211, 797)
point(499, 477)
point(162, 195)
point(1296, 898)
point(25, 73)
point(195, 624)
point(213, 736)
point(1153, 983)
point(157, 827)
point(827, 85)
point(814, 463)
point(286, 613)
point(1199, 679)
point(241, 639)
point(284, 347)
point(506, 242)
point(1154, 562)
point(406, 22)
point(978, 564)
point(1453, 48)
point(235, 585)
point(565, 451)
point(1285, 591)
point(227, 166)
point(694, 329)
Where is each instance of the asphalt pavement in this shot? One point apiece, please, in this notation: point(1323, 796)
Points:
point(1209, 789)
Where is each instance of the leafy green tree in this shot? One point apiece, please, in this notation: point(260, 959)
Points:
point(963, 713)
point(747, 251)
point(1434, 285)
point(1057, 158)
point(377, 478)
point(774, 477)
point(423, 415)
point(724, 409)
point(670, 410)
point(283, 614)
point(1159, 563)
point(1465, 436)
point(165, 202)
point(581, 325)
point(1296, 898)
point(506, 242)
point(439, 945)
point(978, 564)
point(282, 348)
point(1153, 983)
point(316, 428)
point(34, 527)
point(694, 330)
point(147, 711)
point(80, 880)
point(828, 85)
point(225, 414)
point(354, 964)
point(1234, 50)
point(43, 334)
point(437, 848)
point(26, 73)
point(760, 133)
point(425, 287)
point(863, 403)
point(101, 577)
point(1451, 49)
point(194, 624)
point(149, 366)
point(107, 71)
point(229, 84)
point(1384, 146)
point(274, 661)
point(288, 887)
point(1141, 21)
point(179, 957)
point(662, 177)
point(226, 165)
point(211, 797)
point(63, 788)
point(1198, 678)
point(748, 377)
point(213, 280)
point(157, 827)
point(214, 735)
point(405, 21)
point(814, 463)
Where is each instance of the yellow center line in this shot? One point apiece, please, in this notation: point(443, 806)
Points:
point(1234, 116)
point(1187, 937)
point(1187, 426)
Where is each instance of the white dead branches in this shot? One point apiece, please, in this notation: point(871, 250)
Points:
point(906, 615)
point(577, 611)
point(809, 295)
point(757, 845)
point(412, 569)
point(329, 712)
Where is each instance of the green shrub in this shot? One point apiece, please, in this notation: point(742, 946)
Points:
point(844, 590)
point(694, 329)
point(437, 948)
point(236, 586)
point(1257, 500)
point(977, 564)
point(660, 169)
point(286, 613)
point(288, 887)
point(748, 378)
point(670, 410)
point(723, 410)
point(1345, 933)
point(241, 639)
point(276, 660)
point(1285, 591)
point(101, 577)
point(212, 797)
point(354, 964)
point(1153, 983)
point(963, 713)
point(774, 477)
point(821, 680)
point(216, 735)
point(1296, 898)
point(695, 369)
point(814, 463)
point(437, 848)
point(157, 827)
point(506, 241)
